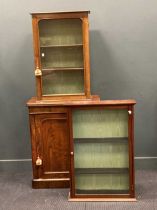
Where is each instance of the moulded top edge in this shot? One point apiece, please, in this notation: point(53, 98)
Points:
point(42, 13)
point(34, 102)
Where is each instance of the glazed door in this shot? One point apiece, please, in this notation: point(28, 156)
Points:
point(61, 52)
point(102, 153)
point(61, 56)
point(52, 146)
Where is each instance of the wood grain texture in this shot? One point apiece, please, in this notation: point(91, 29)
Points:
point(82, 103)
point(54, 144)
point(86, 56)
point(50, 142)
point(101, 199)
point(62, 12)
point(63, 110)
point(131, 151)
point(50, 184)
point(33, 144)
point(60, 15)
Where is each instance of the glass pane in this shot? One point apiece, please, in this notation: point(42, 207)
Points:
point(101, 158)
point(61, 52)
point(102, 183)
point(63, 82)
point(66, 57)
point(101, 155)
point(100, 123)
point(60, 32)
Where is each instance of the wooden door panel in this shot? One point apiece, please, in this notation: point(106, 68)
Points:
point(53, 141)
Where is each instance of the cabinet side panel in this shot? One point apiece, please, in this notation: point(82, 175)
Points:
point(33, 145)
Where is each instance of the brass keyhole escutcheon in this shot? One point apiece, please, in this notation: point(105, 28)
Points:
point(38, 72)
point(39, 161)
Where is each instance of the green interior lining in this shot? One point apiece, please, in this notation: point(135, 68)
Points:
point(101, 155)
point(96, 123)
point(53, 34)
point(102, 181)
point(100, 123)
point(62, 57)
point(60, 32)
point(63, 82)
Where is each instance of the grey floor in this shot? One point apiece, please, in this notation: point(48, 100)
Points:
point(16, 194)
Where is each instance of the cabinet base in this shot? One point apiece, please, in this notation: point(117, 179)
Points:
point(44, 184)
point(101, 199)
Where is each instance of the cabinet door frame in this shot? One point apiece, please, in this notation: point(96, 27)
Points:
point(83, 16)
point(131, 194)
point(38, 146)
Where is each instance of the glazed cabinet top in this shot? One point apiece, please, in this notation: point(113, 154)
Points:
point(61, 55)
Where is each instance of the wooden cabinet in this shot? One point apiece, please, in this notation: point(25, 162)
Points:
point(102, 160)
point(61, 55)
point(50, 147)
point(62, 71)
point(87, 144)
point(77, 140)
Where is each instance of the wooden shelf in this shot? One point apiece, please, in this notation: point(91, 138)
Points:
point(78, 191)
point(101, 170)
point(51, 70)
point(63, 69)
point(68, 45)
point(101, 140)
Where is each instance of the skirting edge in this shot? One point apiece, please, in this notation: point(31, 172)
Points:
point(101, 199)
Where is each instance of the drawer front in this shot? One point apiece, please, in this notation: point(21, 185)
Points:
point(47, 110)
